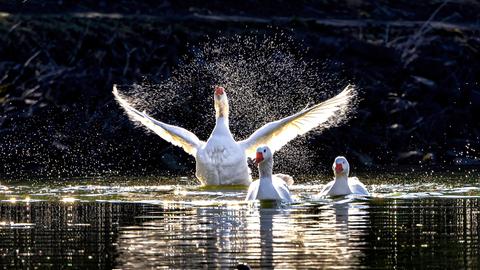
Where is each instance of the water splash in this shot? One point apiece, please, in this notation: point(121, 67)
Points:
point(266, 78)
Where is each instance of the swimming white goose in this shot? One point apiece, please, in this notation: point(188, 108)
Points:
point(223, 161)
point(268, 187)
point(343, 185)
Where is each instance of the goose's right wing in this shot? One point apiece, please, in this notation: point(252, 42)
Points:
point(175, 135)
point(278, 133)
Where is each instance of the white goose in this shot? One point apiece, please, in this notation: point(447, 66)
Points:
point(268, 187)
point(223, 161)
point(343, 185)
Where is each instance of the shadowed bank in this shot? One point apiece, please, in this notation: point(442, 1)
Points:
point(416, 67)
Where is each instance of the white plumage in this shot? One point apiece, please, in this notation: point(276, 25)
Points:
point(343, 185)
point(278, 133)
point(269, 187)
point(223, 161)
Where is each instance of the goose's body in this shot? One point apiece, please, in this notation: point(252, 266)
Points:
point(343, 185)
point(269, 187)
point(222, 160)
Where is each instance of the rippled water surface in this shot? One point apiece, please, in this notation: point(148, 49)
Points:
point(129, 224)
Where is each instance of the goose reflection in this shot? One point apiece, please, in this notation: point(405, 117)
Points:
point(342, 234)
point(266, 218)
point(187, 237)
point(347, 233)
point(276, 238)
point(222, 236)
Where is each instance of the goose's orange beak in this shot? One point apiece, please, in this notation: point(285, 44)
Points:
point(219, 90)
point(338, 167)
point(258, 158)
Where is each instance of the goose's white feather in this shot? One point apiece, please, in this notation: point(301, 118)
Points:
point(277, 134)
point(223, 161)
point(357, 187)
point(351, 186)
point(269, 189)
point(342, 184)
point(175, 135)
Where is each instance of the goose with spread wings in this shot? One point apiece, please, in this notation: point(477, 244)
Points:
point(221, 160)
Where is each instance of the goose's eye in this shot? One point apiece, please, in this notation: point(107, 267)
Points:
point(264, 150)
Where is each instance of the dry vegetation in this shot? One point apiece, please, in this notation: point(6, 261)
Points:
point(417, 65)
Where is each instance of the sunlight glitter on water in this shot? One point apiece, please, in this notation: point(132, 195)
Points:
point(139, 226)
point(303, 193)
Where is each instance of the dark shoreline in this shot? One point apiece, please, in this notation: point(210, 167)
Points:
point(419, 81)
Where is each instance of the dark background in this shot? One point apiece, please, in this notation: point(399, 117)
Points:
point(417, 64)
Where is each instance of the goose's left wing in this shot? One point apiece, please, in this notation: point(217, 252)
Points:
point(327, 188)
point(277, 134)
point(252, 191)
point(357, 187)
point(175, 135)
point(282, 189)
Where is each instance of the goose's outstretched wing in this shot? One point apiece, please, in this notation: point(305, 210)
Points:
point(175, 135)
point(277, 134)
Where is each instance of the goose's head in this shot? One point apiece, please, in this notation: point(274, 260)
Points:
point(263, 154)
point(341, 167)
point(221, 102)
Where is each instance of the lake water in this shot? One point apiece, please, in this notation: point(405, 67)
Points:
point(130, 224)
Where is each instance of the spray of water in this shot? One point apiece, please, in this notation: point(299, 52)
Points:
point(266, 78)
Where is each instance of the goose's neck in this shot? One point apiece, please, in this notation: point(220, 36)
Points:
point(221, 115)
point(265, 170)
point(341, 181)
point(222, 109)
point(222, 126)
